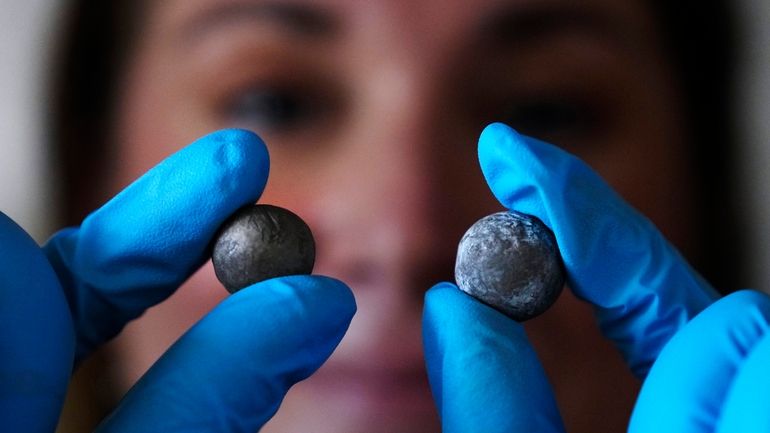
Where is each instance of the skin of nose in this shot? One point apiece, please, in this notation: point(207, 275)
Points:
point(379, 225)
point(387, 192)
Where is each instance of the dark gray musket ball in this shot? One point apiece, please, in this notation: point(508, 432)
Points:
point(259, 242)
point(510, 261)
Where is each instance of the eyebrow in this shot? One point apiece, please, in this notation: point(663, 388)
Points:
point(515, 24)
point(298, 19)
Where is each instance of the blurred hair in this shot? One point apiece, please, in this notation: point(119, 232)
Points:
point(698, 37)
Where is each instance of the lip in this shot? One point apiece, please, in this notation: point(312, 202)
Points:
point(381, 393)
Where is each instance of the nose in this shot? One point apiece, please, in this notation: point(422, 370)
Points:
point(391, 222)
point(387, 226)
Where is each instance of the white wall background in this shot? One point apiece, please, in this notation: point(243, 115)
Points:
point(25, 31)
point(754, 93)
point(26, 28)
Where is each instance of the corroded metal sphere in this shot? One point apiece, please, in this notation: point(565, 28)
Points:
point(259, 242)
point(510, 261)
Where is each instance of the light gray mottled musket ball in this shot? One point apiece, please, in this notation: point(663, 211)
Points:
point(259, 242)
point(510, 261)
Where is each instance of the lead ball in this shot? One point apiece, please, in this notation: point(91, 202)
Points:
point(259, 242)
point(510, 261)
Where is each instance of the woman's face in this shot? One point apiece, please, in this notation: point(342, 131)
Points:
point(371, 111)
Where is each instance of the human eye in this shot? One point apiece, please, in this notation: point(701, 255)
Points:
point(272, 108)
point(554, 118)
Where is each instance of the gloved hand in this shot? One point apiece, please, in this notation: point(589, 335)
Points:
point(713, 374)
point(483, 371)
point(227, 373)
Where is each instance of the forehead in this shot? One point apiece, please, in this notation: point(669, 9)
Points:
point(424, 22)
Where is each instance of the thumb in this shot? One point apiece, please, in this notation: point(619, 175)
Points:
point(484, 373)
point(230, 372)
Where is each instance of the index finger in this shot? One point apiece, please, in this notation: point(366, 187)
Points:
point(139, 247)
point(642, 289)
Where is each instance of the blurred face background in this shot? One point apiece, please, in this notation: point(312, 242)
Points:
point(371, 111)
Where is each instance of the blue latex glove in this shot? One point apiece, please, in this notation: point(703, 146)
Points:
point(713, 375)
point(229, 372)
point(483, 371)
